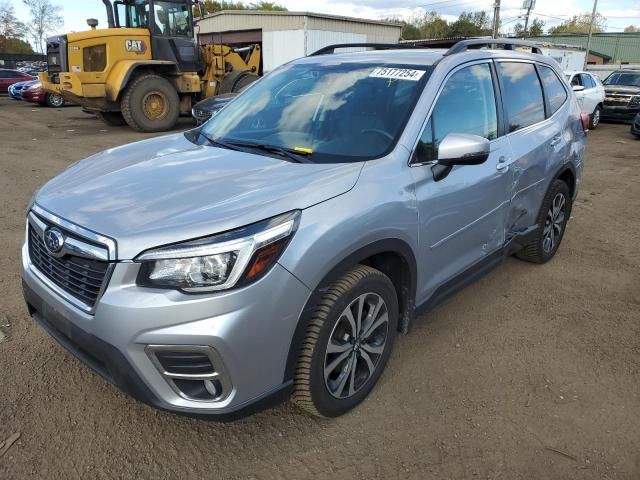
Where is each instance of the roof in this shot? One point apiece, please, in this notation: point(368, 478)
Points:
point(302, 14)
point(616, 47)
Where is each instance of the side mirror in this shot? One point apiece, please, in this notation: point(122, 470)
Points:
point(578, 88)
point(463, 149)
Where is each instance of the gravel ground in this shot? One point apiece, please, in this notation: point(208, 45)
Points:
point(532, 372)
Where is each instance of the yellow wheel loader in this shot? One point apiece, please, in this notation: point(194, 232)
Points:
point(146, 68)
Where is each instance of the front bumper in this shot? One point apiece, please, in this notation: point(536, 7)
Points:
point(620, 114)
point(250, 328)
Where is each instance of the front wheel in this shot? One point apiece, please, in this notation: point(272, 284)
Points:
point(595, 118)
point(552, 222)
point(348, 342)
point(150, 104)
point(54, 100)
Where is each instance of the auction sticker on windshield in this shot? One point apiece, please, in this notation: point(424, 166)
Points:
point(397, 73)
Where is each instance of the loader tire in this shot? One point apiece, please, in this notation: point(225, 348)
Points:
point(150, 104)
point(113, 119)
point(235, 82)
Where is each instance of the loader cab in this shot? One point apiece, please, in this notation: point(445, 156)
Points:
point(170, 25)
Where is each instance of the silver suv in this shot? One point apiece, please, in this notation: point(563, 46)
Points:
point(276, 251)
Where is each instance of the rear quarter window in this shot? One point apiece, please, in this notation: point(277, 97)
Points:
point(556, 93)
point(522, 95)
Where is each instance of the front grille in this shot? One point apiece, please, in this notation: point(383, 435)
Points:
point(617, 100)
point(200, 116)
point(80, 277)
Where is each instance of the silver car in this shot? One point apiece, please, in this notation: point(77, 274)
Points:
point(276, 251)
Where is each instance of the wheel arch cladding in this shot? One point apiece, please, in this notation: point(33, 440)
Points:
point(568, 176)
point(394, 258)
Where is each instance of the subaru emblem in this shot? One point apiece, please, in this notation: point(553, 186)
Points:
point(53, 240)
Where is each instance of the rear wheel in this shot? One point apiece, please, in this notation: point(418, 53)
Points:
point(150, 104)
point(237, 81)
point(595, 118)
point(552, 222)
point(348, 342)
point(113, 119)
point(54, 100)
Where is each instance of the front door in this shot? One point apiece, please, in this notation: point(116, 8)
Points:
point(462, 215)
point(172, 35)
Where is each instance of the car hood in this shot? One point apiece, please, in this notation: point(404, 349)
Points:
point(167, 189)
point(623, 89)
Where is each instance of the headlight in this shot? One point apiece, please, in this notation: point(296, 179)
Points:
point(221, 261)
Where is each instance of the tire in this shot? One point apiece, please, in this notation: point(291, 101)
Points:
point(344, 387)
point(594, 118)
point(551, 228)
point(150, 104)
point(54, 100)
point(113, 119)
point(236, 81)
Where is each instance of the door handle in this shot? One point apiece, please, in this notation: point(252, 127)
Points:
point(556, 140)
point(503, 163)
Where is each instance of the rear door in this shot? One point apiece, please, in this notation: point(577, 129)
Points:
point(589, 94)
point(461, 215)
point(534, 138)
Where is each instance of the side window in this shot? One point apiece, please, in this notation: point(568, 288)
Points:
point(576, 80)
point(522, 97)
point(467, 104)
point(586, 81)
point(553, 88)
point(171, 19)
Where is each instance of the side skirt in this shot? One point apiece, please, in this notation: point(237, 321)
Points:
point(476, 271)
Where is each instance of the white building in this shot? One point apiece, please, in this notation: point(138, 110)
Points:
point(285, 36)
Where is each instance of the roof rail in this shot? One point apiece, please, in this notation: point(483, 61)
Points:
point(463, 45)
point(375, 46)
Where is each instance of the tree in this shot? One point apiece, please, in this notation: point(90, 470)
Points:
point(631, 29)
point(580, 24)
point(471, 25)
point(12, 31)
point(10, 27)
point(45, 20)
point(14, 45)
point(537, 27)
point(518, 30)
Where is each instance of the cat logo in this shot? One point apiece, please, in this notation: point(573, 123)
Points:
point(137, 46)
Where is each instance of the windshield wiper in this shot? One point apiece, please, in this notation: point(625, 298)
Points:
point(290, 154)
point(221, 143)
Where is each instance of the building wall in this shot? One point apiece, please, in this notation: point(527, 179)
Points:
point(569, 59)
point(287, 36)
point(595, 60)
point(621, 47)
point(280, 47)
point(242, 21)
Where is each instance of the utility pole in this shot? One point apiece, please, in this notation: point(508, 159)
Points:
point(496, 19)
point(593, 19)
point(529, 5)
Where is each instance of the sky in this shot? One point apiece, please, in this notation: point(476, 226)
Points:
point(620, 13)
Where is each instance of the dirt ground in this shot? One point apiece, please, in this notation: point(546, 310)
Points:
point(531, 373)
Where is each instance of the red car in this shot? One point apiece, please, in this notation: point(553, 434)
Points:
point(35, 94)
point(9, 77)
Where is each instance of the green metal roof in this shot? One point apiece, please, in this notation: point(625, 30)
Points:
point(621, 47)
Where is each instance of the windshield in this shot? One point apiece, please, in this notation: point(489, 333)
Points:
point(331, 112)
point(624, 79)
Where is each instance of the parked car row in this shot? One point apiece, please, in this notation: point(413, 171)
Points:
point(21, 86)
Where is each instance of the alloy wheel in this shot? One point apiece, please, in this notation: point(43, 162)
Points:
point(356, 345)
point(554, 223)
point(56, 100)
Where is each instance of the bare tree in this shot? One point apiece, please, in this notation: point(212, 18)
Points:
point(10, 27)
point(45, 20)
